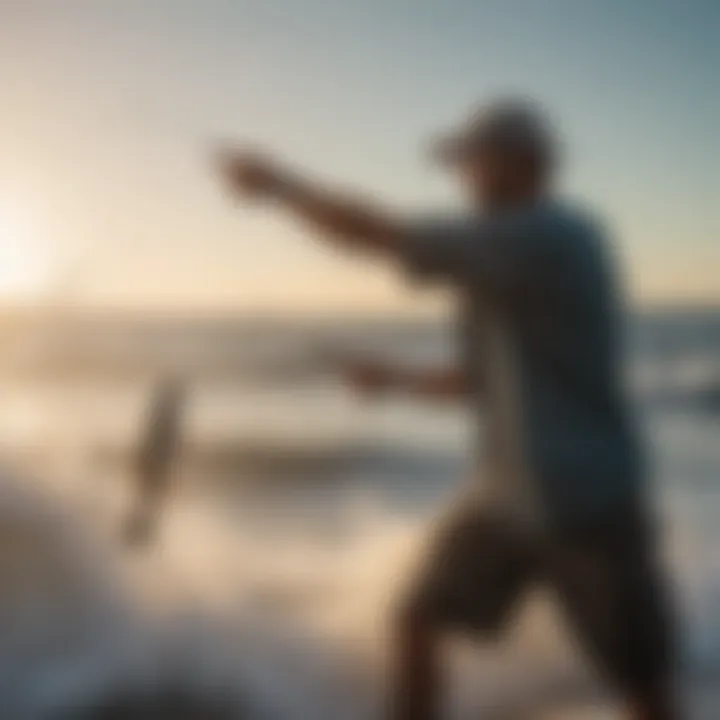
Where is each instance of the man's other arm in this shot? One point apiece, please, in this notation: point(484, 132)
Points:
point(372, 377)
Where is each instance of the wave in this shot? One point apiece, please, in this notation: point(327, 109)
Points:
point(285, 624)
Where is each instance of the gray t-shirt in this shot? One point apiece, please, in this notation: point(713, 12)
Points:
point(540, 322)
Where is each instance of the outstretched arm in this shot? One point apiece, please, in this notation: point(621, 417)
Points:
point(352, 222)
point(493, 253)
point(372, 377)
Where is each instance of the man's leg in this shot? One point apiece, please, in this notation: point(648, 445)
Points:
point(471, 582)
point(614, 594)
point(415, 692)
point(661, 706)
point(650, 647)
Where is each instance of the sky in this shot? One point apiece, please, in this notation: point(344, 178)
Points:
point(112, 110)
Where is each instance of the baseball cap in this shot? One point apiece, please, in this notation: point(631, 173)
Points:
point(512, 125)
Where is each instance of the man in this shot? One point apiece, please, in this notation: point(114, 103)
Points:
point(560, 496)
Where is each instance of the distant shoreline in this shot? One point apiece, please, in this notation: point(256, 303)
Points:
point(75, 313)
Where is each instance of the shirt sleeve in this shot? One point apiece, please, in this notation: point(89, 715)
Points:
point(496, 253)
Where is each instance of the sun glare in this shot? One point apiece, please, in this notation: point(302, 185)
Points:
point(21, 262)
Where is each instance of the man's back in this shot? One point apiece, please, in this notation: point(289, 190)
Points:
point(542, 334)
point(580, 423)
point(559, 306)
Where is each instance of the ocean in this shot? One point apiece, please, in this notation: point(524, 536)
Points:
point(298, 511)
